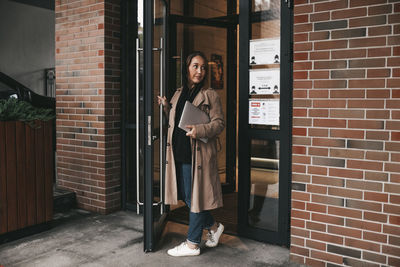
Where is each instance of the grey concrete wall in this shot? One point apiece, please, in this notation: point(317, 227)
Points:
point(27, 44)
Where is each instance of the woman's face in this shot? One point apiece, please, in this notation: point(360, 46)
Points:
point(197, 70)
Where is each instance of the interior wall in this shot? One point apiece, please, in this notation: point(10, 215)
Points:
point(27, 44)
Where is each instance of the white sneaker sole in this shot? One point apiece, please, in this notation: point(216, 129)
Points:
point(183, 255)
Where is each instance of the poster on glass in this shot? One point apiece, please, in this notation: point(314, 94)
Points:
point(264, 82)
point(265, 51)
point(217, 71)
point(264, 111)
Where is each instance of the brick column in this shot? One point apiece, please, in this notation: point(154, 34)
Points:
point(346, 133)
point(88, 102)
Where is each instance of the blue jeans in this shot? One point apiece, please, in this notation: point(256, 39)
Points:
point(197, 221)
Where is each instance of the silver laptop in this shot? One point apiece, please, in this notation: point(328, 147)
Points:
point(191, 115)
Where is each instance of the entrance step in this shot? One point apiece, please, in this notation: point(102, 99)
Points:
point(64, 200)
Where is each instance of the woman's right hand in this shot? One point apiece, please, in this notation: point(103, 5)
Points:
point(162, 100)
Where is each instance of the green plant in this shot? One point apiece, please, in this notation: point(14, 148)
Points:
point(13, 109)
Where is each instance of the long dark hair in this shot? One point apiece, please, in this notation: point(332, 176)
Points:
point(185, 69)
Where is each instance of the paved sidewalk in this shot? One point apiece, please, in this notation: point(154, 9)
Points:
point(84, 239)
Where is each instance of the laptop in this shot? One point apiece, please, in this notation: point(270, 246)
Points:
point(191, 115)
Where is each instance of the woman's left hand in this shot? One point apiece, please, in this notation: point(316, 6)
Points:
point(192, 132)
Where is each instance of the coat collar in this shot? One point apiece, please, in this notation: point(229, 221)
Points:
point(201, 97)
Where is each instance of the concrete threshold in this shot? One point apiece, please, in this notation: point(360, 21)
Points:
point(79, 238)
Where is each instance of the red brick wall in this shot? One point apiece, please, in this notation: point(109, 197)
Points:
point(346, 133)
point(88, 101)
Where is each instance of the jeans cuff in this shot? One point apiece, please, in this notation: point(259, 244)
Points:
point(209, 227)
point(192, 242)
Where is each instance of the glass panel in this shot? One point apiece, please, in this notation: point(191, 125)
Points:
point(131, 168)
point(266, 29)
point(260, 5)
point(264, 5)
point(212, 42)
point(176, 7)
point(264, 61)
point(199, 8)
point(130, 95)
point(264, 180)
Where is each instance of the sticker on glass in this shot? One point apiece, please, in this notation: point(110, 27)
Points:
point(265, 51)
point(264, 82)
point(264, 111)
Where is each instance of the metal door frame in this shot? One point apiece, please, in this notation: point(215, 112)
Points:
point(152, 228)
point(282, 236)
point(244, 164)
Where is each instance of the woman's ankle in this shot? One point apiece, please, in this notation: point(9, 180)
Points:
point(214, 227)
point(191, 245)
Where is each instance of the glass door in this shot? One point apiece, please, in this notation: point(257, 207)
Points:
point(265, 120)
point(154, 137)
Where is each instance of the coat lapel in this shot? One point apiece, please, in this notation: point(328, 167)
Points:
point(201, 99)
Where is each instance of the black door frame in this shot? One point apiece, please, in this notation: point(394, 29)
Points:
point(128, 24)
point(148, 100)
point(282, 236)
point(153, 226)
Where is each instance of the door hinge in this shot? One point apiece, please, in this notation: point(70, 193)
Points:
point(288, 3)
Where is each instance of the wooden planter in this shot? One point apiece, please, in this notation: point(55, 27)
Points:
point(26, 174)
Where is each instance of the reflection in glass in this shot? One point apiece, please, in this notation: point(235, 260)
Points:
point(131, 167)
point(265, 28)
point(199, 8)
point(264, 179)
point(207, 39)
point(264, 5)
point(260, 5)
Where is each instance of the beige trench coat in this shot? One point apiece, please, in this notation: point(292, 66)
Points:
point(206, 185)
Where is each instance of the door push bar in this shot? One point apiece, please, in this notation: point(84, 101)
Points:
point(138, 203)
point(162, 93)
point(150, 138)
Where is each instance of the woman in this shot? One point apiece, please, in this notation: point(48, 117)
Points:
point(191, 165)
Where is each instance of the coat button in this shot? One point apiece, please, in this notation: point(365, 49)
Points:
point(166, 162)
point(169, 126)
point(167, 144)
point(199, 167)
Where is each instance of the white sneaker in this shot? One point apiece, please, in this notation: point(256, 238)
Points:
point(213, 237)
point(183, 250)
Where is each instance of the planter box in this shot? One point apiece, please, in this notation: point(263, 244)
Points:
point(26, 174)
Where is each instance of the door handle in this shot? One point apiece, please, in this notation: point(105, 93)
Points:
point(162, 93)
point(150, 137)
point(138, 203)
